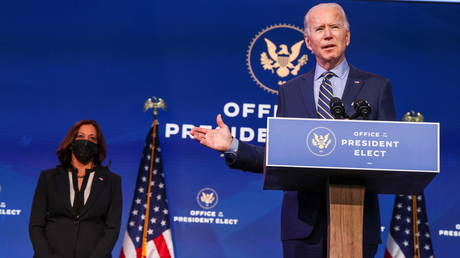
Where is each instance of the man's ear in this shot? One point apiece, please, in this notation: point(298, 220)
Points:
point(307, 41)
point(348, 37)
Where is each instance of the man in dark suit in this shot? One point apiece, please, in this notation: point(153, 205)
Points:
point(304, 214)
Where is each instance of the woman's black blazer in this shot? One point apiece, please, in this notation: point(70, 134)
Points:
point(56, 231)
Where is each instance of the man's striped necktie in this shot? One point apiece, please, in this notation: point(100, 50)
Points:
point(325, 95)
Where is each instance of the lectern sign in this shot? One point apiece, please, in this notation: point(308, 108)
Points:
point(357, 144)
point(385, 157)
point(346, 144)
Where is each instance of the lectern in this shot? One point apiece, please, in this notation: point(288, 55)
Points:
point(347, 158)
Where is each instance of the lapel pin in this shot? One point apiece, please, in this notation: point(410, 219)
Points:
point(101, 179)
point(357, 82)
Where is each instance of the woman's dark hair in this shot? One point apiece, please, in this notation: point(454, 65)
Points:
point(64, 151)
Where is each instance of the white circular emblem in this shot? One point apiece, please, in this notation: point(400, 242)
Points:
point(321, 141)
point(207, 198)
point(276, 55)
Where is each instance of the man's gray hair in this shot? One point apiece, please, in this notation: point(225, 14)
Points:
point(335, 5)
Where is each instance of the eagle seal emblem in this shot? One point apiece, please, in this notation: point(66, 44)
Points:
point(321, 141)
point(282, 60)
point(207, 198)
point(276, 55)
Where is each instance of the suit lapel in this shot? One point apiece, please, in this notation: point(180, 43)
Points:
point(352, 88)
point(308, 97)
point(99, 182)
point(63, 188)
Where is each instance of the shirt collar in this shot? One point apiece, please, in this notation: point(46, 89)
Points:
point(340, 70)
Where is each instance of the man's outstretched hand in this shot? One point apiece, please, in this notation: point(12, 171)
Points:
point(218, 139)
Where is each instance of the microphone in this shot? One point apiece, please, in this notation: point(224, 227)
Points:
point(362, 108)
point(337, 108)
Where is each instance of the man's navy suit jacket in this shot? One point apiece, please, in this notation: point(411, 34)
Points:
point(303, 212)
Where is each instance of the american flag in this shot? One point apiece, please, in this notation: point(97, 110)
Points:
point(409, 233)
point(148, 233)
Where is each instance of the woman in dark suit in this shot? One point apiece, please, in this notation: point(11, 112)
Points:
point(76, 210)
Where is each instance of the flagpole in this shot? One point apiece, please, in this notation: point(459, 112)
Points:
point(412, 117)
point(149, 194)
point(409, 209)
point(154, 105)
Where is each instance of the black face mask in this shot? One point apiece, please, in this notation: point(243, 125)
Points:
point(84, 150)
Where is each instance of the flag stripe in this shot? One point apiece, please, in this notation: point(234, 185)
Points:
point(387, 255)
point(152, 250)
point(128, 250)
point(161, 246)
point(393, 250)
point(168, 238)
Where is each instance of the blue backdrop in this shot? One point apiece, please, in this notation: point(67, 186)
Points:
point(63, 61)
